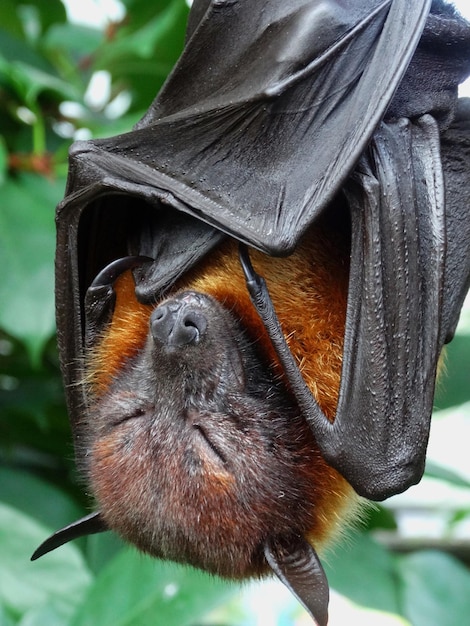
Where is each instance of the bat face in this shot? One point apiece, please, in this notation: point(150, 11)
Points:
point(197, 452)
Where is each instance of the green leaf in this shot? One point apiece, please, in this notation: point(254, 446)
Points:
point(453, 388)
point(14, 15)
point(20, 19)
point(9, 19)
point(29, 82)
point(435, 589)
point(15, 49)
point(101, 548)
point(108, 128)
point(5, 620)
point(3, 160)
point(50, 12)
point(59, 579)
point(434, 470)
point(77, 40)
point(379, 517)
point(142, 42)
point(27, 243)
point(135, 589)
point(42, 616)
point(365, 572)
point(37, 498)
point(33, 418)
point(459, 516)
point(139, 12)
point(144, 51)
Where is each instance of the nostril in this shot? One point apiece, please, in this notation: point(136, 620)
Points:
point(189, 327)
point(160, 313)
point(195, 320)
point(161, 323)
point(177, 324)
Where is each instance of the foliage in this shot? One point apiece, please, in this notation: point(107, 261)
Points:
point(46, 66)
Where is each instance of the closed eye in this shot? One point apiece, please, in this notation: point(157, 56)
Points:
point(128, 416)
point(209, 443)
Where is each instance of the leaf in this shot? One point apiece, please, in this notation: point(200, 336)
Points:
point(379, 517)
point(77, 40)
point(434, 470)
point(135, 589)
point(144, 51)
point(453, 387)
point(139, 12)
point(27, 242)
point(59, 579)
point(365, 572)
point(42, 616)
point(101, 548)
point(37, 498)
point(107, 127)
point(29, 82)
point(50, 12)
point(435, 589)
point(141, 37)
point(5, 619)
point(33, 418)
point(14, 14)
point(3, 160)
point(13, 49)
point(9, 19)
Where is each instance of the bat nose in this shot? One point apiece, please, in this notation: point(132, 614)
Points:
point(178, 322)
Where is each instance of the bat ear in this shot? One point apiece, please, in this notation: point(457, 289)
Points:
point(297, 565)
point(88, 525)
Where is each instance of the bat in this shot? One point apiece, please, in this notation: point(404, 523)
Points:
point(255, 284)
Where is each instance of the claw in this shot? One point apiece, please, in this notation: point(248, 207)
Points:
point(100, 297)
point(88, 525)
point(297, 565)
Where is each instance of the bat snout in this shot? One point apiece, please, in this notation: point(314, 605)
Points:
point(180, 321)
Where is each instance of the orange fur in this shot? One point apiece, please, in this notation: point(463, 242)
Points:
point(308, 290)
point(125, 335)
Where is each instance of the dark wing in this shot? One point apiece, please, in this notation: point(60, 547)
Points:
point(256, 129)
point(455, 153)
point(409, 199)
point(264, 116)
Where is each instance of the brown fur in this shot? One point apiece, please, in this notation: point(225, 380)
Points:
point(204, 518)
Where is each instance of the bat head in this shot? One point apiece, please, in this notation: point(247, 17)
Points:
point(195, 450)
point(178, 440)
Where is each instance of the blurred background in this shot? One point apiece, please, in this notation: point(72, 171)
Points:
point(89, 68)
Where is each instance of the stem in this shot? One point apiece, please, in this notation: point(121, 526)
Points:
point(39, 134)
